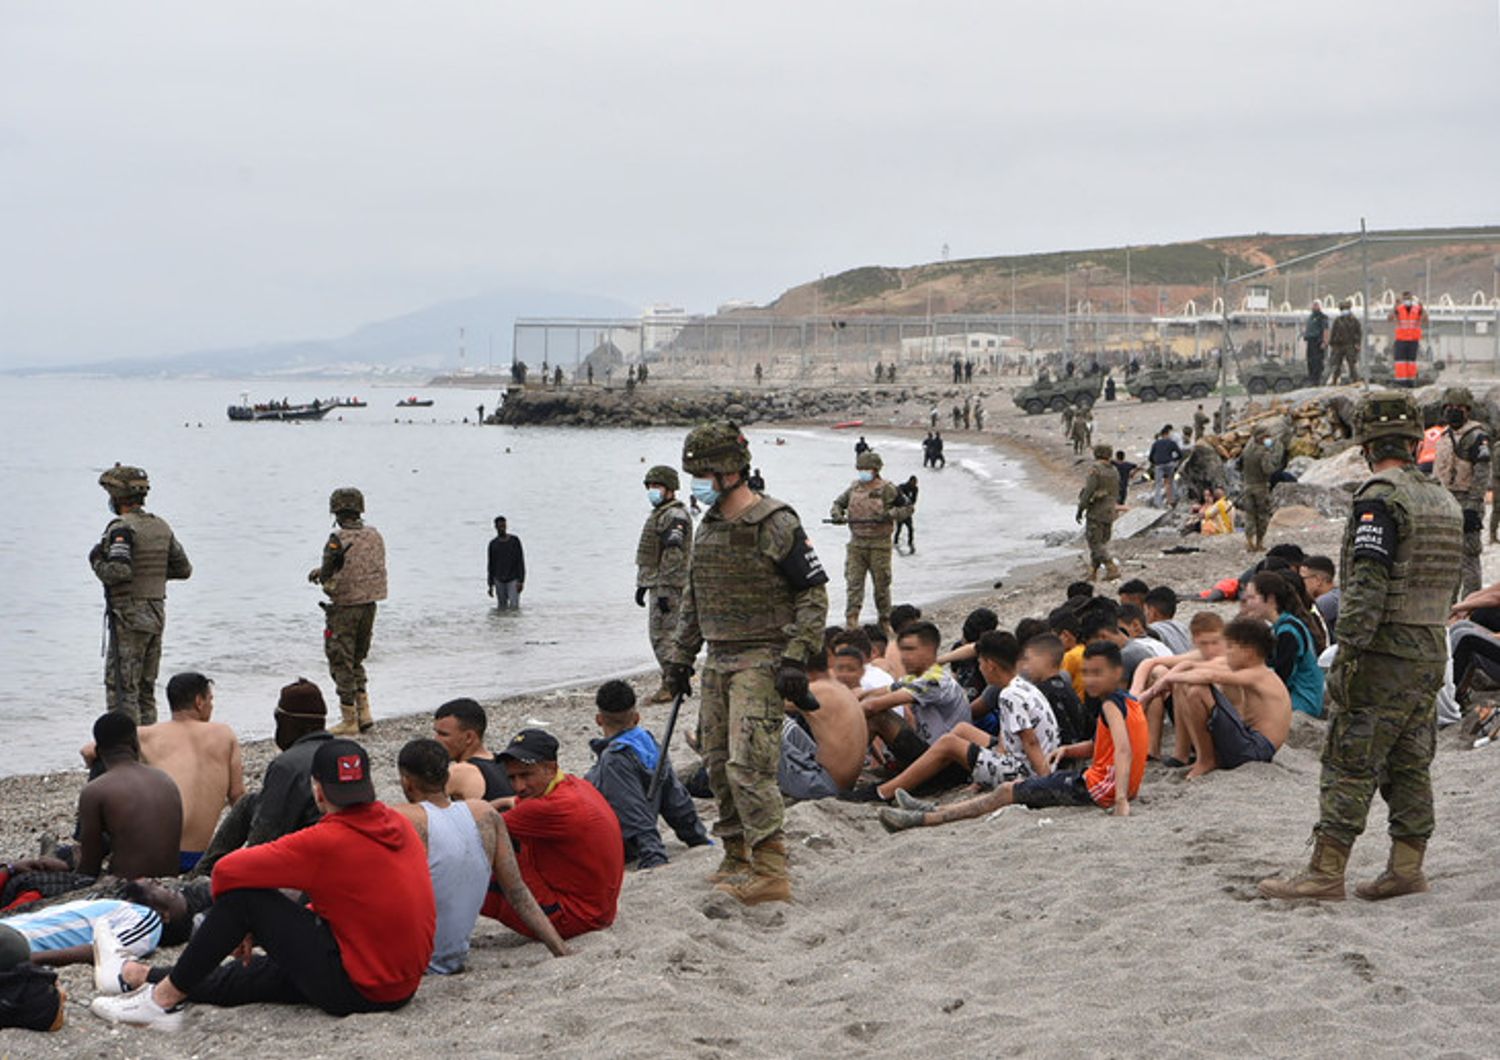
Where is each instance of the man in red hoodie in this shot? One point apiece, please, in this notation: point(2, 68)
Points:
point(361, 946)
point(567, 842)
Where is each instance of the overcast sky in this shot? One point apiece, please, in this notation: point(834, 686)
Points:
point(176, 174)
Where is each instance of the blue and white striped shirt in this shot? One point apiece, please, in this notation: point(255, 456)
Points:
point(59, 927)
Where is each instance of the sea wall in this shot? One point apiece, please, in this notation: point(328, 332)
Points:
point(650, 405)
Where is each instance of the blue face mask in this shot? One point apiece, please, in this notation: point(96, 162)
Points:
point(867, 476)
point(703, 489)
point(655, 496)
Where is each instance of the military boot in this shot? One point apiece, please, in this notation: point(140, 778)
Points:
point(1322, 880)
point(768, 880)
point(362, 704)
point(350, 725)
point(1403, 873)
point(735, 864)
point(1112, 571)
point(661, 695)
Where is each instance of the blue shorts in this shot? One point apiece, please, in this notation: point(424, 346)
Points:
point(1235, 743)
point(1055, 789)
point(187, 860)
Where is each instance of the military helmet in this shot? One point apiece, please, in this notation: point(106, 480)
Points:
point(663, 475)
point(1387, 414)
point(346, 499)
point(869, 460)
point(712, 447)
point(1458, 395)
point(125, 483)
point(1346, 304)
point(1102, 452)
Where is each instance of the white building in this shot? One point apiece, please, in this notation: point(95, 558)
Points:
point(971, 346)
point(660, 324)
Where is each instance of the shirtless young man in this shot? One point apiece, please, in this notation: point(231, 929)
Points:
point(848, 666)
point(1207, 631)
point(462, 862)
point(459, 725)
point(822, 750)
point(136, 806)
point(1222, 736)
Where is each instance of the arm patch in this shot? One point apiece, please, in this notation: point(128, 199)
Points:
point(675, 533)
point(119, 545)
point(333, 555)
point(1374, 532)
point(801, 566)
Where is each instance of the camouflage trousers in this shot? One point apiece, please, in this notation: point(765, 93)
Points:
point(873, 557)
point(1382, 732)
point(1473, 568)
point(1343, 355)
point(134, 653)
point(660, 625)
point(1097, 532)
point(346, 641)
point(740, 725)
point(1256, 504)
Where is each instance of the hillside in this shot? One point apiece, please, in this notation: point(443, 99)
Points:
point(1162, 277)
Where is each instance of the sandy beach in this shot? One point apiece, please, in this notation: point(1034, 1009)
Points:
point(1039, 933)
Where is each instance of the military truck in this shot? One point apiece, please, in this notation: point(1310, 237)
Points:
point(1081, 391)
point(1172, 383)
point(1272, 377)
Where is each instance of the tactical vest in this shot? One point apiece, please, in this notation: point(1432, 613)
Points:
point(1103, 488)
point(1255, 467)
point(648, 551)
point(868, 514)
point(1409, 322)
point(148, 554)
point(1428, 556)
point(361, 580)
point(741, 595)
point(1450, 466)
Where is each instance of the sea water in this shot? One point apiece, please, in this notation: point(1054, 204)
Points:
point(249, 502)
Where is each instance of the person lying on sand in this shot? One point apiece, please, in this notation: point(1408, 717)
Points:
point(1027, 730)
point(822, 749)
point(1116, 754)
point(1207, 630)
point(1221, 736)
point(149, 915)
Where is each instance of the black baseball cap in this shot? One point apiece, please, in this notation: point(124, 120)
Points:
point(531, 745)
point(342, 767)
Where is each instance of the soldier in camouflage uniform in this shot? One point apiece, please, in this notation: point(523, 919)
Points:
point(661, 562)
point(1494, 499)
point(135, 559)
point(756, 592)
point(872, 507)
point(1400, 567)
point(1257, 465)
point(1082, 430)
point(352, 573)
point(1098, 500)
point(1344, 341)
point(1462, 466)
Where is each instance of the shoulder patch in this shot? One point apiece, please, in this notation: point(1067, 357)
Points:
point(801, 566)
point(1374, 535)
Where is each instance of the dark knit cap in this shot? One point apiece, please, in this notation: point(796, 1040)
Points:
point(302, 699)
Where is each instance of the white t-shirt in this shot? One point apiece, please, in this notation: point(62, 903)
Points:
point(875, 677)
point(1020, 705)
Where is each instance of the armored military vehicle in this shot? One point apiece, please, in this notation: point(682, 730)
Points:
point(1272, 377)
point(1172, 383)
point(1081, 391)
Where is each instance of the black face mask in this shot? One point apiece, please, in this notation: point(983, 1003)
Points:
point(1455, 416)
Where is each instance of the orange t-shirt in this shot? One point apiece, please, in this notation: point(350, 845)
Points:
point(1072, 664)
point(1100, 775)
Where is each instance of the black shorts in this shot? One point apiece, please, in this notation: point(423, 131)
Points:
point(1055, 789)
point(1235, 743)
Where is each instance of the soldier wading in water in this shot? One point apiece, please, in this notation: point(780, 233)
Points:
point(1400, 568)
point(756, 593)
point(135, 559)
point(353, 575)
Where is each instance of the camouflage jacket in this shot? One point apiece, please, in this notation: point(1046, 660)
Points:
point(665, 548)
point(137, 556)
point(1100, 493)
point(871, 509)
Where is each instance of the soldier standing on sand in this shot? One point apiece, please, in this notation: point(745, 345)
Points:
point(756, 592)
point(1083, 428)
point(1200, 423)
point(872, 507)
point(979, 415)
point(1400, 567)
point(661, 563)
point(1098, 501)
point(1257, 465)
point(1462, 467)
point(1067, 422)
point(353, 575)
point(134, 559)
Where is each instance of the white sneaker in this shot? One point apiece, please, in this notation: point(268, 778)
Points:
point(137, 1009)
point(109, 960)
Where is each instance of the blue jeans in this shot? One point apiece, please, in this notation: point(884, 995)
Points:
point(1160, 473)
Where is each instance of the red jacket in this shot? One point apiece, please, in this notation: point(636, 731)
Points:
point(366, 872)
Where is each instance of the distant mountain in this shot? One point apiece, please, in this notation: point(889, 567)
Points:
point(421, 341)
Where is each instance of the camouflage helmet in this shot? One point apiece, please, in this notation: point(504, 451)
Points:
point(125, 483)
point(1101, 452)
point(1387, 414)
point(663, 475)
point(869, 460)
point(346, 499)
point(712, 447)
point(1458, 396)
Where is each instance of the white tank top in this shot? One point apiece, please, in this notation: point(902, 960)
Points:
point(460, 878)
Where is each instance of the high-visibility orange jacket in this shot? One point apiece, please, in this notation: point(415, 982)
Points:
point(1409, 322)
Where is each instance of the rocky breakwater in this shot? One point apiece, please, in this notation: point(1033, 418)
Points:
point(664, 406)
